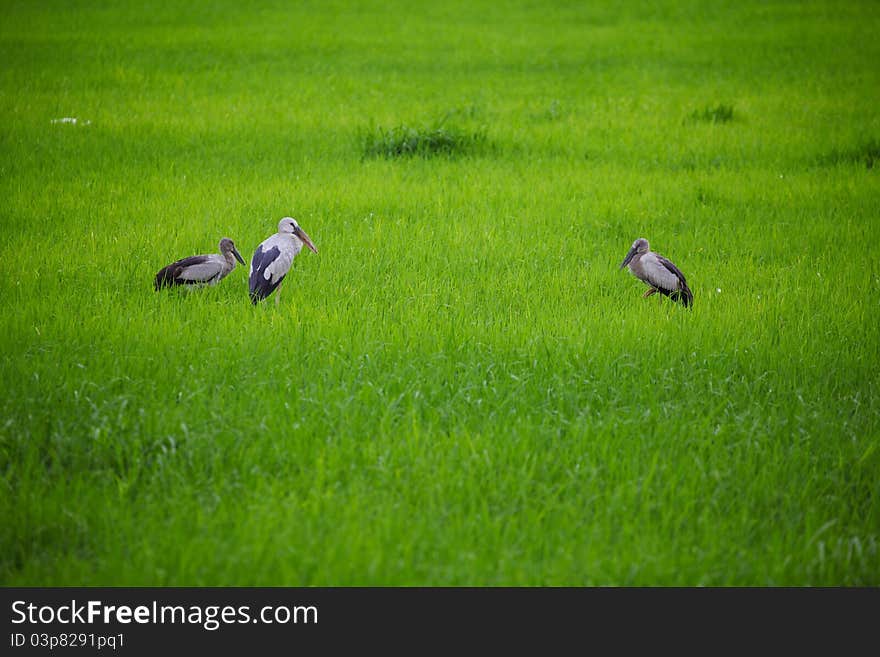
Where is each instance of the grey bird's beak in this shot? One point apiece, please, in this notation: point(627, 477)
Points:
point(300, 233)
point(237, 255)
point(629, 256)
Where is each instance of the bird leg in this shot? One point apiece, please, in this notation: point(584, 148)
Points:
point(649, 292)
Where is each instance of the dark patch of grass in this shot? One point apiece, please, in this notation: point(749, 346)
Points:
point(425, 141)
point(718, 114)
point(706, 196)
point(553, 112)
point(867, 153)
point(469, 112)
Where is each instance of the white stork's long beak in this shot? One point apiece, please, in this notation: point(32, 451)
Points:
point(300, 233)
point(629, 256)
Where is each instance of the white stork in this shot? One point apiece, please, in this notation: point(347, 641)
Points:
point(273, 258)
point(200, 269)
point(659, 273)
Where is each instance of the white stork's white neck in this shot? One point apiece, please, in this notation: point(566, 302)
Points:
point(295, 242)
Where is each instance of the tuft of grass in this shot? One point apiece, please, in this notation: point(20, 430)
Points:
point(551, 113)
point(719, 114)
point(867, 153)
point(424, 141)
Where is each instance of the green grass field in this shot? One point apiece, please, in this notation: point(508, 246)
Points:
point(460, 388)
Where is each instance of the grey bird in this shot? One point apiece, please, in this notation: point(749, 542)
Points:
point(658, 273)
point(273, 257)
point(200, 269)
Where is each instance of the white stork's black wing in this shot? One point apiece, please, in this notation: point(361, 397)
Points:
point(265, 277)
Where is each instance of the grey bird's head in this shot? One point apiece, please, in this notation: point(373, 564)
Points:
point(227, 246)
point(288, 226)
point(639, 247)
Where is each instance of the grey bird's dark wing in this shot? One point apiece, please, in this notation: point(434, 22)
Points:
point(176, 272)
point(684, 295)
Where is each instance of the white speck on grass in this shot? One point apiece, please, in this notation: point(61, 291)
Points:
point(718, 290)
point(71, 120)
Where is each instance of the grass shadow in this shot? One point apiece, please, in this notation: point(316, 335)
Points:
point(719, 114)
point(867, 153)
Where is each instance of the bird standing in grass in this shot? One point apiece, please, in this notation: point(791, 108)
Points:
point(659, 273)
point(273, 258)
point(200, 269)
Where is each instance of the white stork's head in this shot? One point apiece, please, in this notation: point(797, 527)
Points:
point(639, 247)
point(288, 226)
